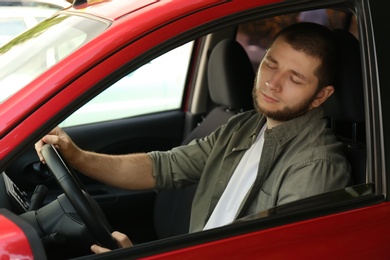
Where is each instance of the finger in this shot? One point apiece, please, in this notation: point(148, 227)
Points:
point(98, 249)
point(122, 240)
point(38, 149)
point(51, 139)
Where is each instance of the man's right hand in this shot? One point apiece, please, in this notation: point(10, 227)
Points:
point(110, 169)
point(61, 141)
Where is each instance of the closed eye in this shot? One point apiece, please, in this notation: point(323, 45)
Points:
point(271, 64)
point(297, 78)
point(296, 81)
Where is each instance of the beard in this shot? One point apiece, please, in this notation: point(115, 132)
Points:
point(285, 114)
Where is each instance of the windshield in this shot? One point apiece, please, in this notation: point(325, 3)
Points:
point(30, 54)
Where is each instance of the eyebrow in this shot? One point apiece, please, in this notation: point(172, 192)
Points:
point(270, 58)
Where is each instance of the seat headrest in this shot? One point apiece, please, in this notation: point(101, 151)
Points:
point(347, 102)
point(230, 76)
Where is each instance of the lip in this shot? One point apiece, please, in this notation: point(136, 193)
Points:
point(268, 98)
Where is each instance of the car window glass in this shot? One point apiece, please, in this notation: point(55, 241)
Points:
point(40, 19)
point(9, 28)
point(156, 86)
point(33, 52)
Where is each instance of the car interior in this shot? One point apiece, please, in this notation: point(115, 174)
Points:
point(224, 68)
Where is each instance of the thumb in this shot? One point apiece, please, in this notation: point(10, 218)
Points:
point(51, 139)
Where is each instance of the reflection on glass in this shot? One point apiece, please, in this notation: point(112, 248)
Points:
point(33, 52)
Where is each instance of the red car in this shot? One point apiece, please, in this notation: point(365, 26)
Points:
point(137, 76)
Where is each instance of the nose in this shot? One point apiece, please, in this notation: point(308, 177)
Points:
point(273, 84)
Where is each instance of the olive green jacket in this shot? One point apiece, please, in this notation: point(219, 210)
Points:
point(300, 158)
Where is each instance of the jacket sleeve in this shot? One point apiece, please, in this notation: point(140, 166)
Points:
point(182, 165)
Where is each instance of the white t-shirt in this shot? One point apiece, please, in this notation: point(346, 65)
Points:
point(240, 184)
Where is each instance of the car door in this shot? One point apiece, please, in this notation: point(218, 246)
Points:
point(347, 223)
point(320, 223)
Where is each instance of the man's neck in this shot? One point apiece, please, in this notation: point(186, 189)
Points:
point(272, 123)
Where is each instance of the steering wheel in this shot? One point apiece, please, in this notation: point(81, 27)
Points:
point(86, 207)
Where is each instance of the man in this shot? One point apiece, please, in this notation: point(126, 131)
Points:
point(278, 153)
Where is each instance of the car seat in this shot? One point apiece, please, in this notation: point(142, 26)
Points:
point(230, 83)
point(345, 107)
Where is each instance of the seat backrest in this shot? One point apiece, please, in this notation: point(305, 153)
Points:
point(345, 107)
point(230, 82)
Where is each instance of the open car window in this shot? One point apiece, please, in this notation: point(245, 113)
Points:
point(256, 36)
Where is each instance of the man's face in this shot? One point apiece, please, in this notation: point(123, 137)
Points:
point(286, 85)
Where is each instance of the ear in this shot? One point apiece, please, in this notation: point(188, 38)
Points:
point(322, 95)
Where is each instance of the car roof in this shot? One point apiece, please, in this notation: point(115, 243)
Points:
point(110, 9)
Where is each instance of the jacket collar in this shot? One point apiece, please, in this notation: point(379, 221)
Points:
point(286, 131)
